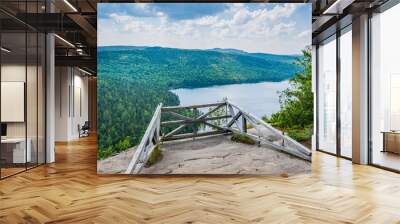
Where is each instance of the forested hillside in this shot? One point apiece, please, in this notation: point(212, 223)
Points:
point(133, 80)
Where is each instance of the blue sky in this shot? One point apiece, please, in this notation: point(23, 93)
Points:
point(253, 27)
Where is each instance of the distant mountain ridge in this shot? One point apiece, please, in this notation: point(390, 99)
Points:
point(229, 50)
point(222, 50)
point(206, 67)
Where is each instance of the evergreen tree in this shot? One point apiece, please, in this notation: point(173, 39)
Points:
point(297, 102)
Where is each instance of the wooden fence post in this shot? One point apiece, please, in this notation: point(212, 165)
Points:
point(244, 124)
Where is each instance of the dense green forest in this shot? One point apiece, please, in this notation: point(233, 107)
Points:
point(132, 81)
point(296, 114)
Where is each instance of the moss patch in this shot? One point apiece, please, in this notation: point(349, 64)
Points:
point(285, 175)
point(155, 156)
point(249, 126)
point(243, 139)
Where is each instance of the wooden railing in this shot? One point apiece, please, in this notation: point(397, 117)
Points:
point(278, 141)
point(150, 140)
point(236, 122)
point(184, 121)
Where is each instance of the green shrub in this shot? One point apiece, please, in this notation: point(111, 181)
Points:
point(296, 115)
point(122, 145)
point(155, 156)
point(300, 135)
point(104, 153)
point(243, 139)
point(249, 126)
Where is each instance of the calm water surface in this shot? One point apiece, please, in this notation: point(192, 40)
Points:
point(257, 98)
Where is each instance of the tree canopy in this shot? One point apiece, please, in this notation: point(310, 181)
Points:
point(297, 102)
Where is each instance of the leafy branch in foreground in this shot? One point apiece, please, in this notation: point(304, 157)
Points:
point(296, 114)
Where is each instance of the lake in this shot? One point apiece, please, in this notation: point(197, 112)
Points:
point(259, 99)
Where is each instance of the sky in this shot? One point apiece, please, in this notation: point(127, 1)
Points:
point(283, 28)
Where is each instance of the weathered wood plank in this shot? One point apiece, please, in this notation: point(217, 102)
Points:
point(173, 131)
point(153, 125)
point(180, 116)
point(174, 108)
point(234, 119)
point(215, 126)
point(200, 117)
point(193, 135)
point(186, 118)
point(191, 121)
point(213, 110)
point(244, 124)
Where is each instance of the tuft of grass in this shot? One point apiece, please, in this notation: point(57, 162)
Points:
point(243, 139)
point(249, 126)
point(155, 156)
point(300, 134)
point(284, 175)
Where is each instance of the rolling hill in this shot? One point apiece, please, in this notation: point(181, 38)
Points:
point(132, 80)
point(179, 68)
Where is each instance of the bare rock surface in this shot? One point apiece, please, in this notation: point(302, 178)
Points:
point(212, 155)
point(219, 155)
point(116, 164)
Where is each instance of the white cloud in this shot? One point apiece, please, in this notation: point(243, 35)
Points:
point(305, 33)
point(253, 30)
point(142, 5)
point(119, 18)
point(160, 14)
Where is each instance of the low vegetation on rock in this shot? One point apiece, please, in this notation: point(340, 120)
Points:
point(243, 139)
point(155, 156)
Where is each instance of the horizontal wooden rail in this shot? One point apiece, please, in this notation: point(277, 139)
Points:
point(200, 118)
point(193, 135)
point(174, 108)
point(194, 120)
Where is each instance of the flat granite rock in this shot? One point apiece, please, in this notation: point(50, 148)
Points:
point(212, 155)
point(116, 164)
